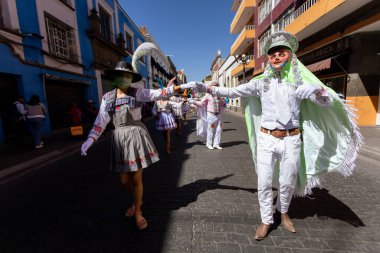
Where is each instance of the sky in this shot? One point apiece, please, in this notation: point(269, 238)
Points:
point(189, 31)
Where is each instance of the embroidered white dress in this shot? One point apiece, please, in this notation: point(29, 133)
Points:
point(165, 119)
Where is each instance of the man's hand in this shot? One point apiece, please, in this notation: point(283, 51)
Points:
point(85, 146)
point(304, 91)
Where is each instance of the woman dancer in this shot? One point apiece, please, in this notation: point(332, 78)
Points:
point(132, 147)
point(162, 111)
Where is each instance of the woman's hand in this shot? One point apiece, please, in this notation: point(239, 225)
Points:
point(86, 145)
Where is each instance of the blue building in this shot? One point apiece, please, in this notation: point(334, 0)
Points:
point(59, 49)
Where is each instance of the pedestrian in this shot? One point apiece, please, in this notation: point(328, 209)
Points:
point(284, 101)
point(132, 147)
point(18, 120)
point(36, 112)
point(214, 106)
point(76, 114)
point(227, 100)
point(92, 111)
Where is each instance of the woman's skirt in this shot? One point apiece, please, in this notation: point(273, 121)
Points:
point(132, 148)
point(165, 121)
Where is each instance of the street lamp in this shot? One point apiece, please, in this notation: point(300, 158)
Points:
point(243, 60)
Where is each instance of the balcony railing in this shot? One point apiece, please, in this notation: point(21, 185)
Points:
point(304, 7)
point(247, 28)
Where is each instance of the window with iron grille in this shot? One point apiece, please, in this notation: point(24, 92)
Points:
point(61, 39)
point(105, 24)
point(128, 42)
point(284, 21)
point(262, 40)
point(264, 9)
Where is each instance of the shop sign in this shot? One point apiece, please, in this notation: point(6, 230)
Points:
point(327, 51)
point(65, 79)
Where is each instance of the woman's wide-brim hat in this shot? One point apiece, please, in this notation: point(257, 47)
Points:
point(282, 39)
point(121, 68)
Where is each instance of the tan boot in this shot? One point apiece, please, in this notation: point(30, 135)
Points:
point(287, 223)
point(262, 231)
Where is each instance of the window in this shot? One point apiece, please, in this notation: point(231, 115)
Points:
point(262, 40)
point(142, 59)
point(264, 9)
point(61, 39)
point(128, 42)
point(105, 24)
point(284, 21)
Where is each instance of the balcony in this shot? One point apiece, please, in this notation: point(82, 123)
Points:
point(243, 15)
point(108, 48)
point(244, 40)
point(238, 68)
point(315, 15)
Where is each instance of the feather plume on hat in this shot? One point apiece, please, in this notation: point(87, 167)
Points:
point(142, 50)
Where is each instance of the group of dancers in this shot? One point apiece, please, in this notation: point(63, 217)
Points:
point(298, 128)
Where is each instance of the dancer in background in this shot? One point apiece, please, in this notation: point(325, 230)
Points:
point(162, 111)
point(214, 106)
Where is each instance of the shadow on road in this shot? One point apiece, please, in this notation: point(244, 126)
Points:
point(324, 206)
point(189, 193)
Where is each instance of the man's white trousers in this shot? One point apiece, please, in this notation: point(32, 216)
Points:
point(214, 127)
point(286, 151)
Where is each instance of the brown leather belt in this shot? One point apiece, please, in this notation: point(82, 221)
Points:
point(281, 133)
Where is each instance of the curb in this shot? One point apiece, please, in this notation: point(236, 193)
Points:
point(15, 171)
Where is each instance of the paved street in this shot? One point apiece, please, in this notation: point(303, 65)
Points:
point(195, 200)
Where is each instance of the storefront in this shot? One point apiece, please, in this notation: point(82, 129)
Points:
point(351, 66)
point(8, 93)
point(60, 93)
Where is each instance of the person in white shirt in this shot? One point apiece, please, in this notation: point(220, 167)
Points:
point(19, 120)
point(215, 107)
point(274, 124)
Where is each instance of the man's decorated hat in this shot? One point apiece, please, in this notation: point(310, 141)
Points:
point(121, 68)
point(284, 39)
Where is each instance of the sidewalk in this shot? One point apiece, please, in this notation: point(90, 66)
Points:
point(14, 160)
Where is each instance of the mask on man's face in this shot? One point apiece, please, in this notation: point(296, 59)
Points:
point(123, 81)
point(278, 59)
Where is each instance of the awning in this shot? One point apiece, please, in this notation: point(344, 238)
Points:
point(325, 64)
